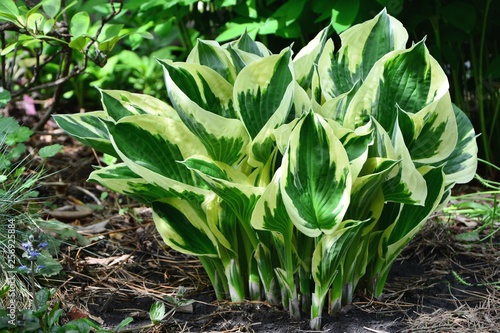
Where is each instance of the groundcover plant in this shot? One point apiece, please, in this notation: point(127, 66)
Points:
point(294, 179)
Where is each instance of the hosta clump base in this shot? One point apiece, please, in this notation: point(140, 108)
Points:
point(295, 179)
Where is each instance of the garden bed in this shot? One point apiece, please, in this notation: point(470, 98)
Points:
point(437, 284)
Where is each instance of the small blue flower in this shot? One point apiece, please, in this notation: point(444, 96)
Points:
point(42, 245)
point(33, 255)
point(26, 246)
point(24, 268)
point(39, 268)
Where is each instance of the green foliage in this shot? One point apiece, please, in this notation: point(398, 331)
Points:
point(47, 44)
point(482, 208)
point(331, 159)
point(18, 184)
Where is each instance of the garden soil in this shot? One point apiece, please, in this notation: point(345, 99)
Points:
point(438, 284)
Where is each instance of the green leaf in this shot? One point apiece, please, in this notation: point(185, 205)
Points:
point(183, 229)
point(471, 236)
point(343, 14)
point(21, 134)
point(9, 7)
point(49, 151)
point(51, 7)
point(35, 22)
point(210, 54)
point(461, 165)
point(123, 323)
point(79, 24)
point(232, 186)
point(9, 12)
point(119, 178)
point(88, 128)
point(362, 46)
point(233, 30)
point(157, 312)
point(203, 100)
point(79, 43)
point(109, 32)
point(316, 183)
point(460, 14)
point(4, 97)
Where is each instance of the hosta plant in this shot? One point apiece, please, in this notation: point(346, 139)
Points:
point(297, 179)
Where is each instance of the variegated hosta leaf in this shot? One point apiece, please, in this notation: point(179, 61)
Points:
point(301, 102)
point(409, 79)
point(241, 58)
point(266, 272)
point(119, 178)
point(270, 214)
point(152, 147)
point(235, 281)
point(88, 128)
point(198, 84)
point(327, 257)
point(405, 184)
point(234, 187)
point(407, 223)
point(362, 46)
point(435, 134)
point(316, 181)
point(365, 189)
point(245, 50)
point(356, 144)
point(183, 229)
point(307, 58)
point(460, 166)
point(247, 44)
point(263, 95)
point(329, 252)
point(120, 103)
point(203, 100)
point(211, 54)
point(336, 107)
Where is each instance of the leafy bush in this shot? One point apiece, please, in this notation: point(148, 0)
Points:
point(50, 43)
point(290, 177)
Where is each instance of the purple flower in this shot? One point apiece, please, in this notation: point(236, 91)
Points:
point(24, 268)
point(26, 246)
point(33, 255)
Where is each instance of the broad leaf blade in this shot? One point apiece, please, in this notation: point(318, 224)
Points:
point(183, 229)
point(152, 147)
point(203, 100)
point(362, 46)
point(316, 184)
point(263, 95)
point(119, 178)
point(88, 128)
point(232, 186)
point(461, 165)
point(211, 54)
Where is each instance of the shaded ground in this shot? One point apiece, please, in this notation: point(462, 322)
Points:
point(438, 285)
